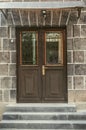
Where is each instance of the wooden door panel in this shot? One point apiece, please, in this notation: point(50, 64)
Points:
point(30, 87)
point(37, 49)
point(54, 85)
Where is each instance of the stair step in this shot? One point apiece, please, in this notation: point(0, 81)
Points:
point(41, 107)
point(40, 124)
point(43, 116)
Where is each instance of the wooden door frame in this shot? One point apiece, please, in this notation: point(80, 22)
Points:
point(26, 28)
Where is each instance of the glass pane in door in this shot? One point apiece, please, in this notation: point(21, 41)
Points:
point(29, 48)
point(54, 50)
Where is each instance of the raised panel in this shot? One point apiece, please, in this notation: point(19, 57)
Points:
point(54, 85)
point(30, 87)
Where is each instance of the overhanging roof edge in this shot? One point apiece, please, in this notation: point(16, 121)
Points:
point(42, 5)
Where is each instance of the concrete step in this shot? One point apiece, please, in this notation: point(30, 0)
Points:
point(40, 124)
point(44, 116)
point(53, 107)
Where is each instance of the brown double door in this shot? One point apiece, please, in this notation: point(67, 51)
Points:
point(41, 65)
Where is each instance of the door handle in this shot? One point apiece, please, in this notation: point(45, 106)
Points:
point(44, 69)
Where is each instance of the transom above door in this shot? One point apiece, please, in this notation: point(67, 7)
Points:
point(41, 65)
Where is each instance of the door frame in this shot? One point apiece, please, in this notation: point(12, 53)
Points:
point(56, 28)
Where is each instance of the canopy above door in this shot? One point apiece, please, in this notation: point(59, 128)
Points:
point(42, 5)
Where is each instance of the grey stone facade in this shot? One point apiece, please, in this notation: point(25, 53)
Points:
point(76, 48)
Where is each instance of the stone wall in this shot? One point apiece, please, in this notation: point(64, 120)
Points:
point(76, 49)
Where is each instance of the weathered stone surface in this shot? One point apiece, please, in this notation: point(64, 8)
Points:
point(8, 45)
point(4, 32)
point(83, 30)
point(69, 57)
point(78, 82)
point(6, 82)
point(69, 83)
point(12, 70)
point(9, 18)
point(12, 95)
point(69, 31)
point(79, 44)
point(69, 44)
point(13, 57)
point(76, 30)
point(78, 57)
point(3, 69)
point(77, 95)
point(3, 20)
point(85, 56)
point(0, 95)
point(0, 44)
point(73, 18)
point(13, 35)
point(4, 57)
point(6, 95)
point(64, 17)
point(14, 82)
point(82, 19)
point(70, 69)
point(80, 69)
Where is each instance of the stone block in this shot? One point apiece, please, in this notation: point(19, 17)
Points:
point(12, 95)
point(79, 44)
point(73, 18)
point(69, 30)
point(69, 83)
point(13, 57)
point(78, 82)
point(4, 32)
point(8, 45)
point(4, 57)
point(83, 30)
point(10, 19)
point(3, 69)
point(69, 44)
point(77, 95)
point(70, 69)
point(3, 20)
point(78, 56)
point(80, 69)
point(6, 95)
point(82, 19)
point(1, 98)
point(12, 70)
point(6, 83)
point(14, 82)
point(71, 96)
point(85, 56)
point(13, 35)
point(76, 30)
point(69, 57)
